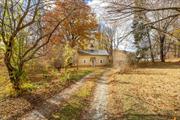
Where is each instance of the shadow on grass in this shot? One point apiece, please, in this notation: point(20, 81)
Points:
point(131, 116)
point(142, 73)
point(139, 105)
point(128, 115)
point(160, 65)
point(71, 110)
point(38, 101)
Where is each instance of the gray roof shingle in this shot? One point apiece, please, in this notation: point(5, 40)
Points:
point(94, 52)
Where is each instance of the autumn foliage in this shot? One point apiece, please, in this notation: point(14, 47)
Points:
point(77, 27)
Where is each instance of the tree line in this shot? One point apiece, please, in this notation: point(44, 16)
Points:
point(154, 25)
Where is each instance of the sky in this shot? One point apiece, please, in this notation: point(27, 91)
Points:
point(123, 27)
point(87, 1)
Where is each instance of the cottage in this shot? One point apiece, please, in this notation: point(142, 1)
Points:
point(92, 58)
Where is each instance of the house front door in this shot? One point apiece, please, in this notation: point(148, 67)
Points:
point(93, 61)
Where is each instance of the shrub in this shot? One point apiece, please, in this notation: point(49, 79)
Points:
point(126, 68)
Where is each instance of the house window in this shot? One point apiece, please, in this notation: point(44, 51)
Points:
point(84, 61)
point(101, 61)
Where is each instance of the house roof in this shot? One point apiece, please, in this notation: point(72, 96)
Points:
point(94, 52)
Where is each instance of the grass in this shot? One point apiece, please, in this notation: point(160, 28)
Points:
point(39, 80)
point(74, 108)
point(77, 107)
point(39, 87)
point(57, 78)
point(150, 92)
point(74, 75)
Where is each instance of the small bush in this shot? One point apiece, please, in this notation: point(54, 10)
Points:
point(71, 76)
point(28, 86)
point(126, 68)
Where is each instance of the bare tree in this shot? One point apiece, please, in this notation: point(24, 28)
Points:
point(143, 12)
point(22, 24)
point(163, 26)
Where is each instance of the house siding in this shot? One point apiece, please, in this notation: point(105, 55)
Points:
point(85, 60)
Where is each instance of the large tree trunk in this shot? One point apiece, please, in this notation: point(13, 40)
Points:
point(162, 40)
point(14, 77)
point(110, 51)
point(15, 80)
point(14, 73)
point(175, 51)
point(150, 47)
point(178, 51)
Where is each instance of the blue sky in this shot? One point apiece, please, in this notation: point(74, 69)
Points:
point(87, 1)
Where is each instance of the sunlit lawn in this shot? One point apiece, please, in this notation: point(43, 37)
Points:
point(151, 92)
point(37, 80)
